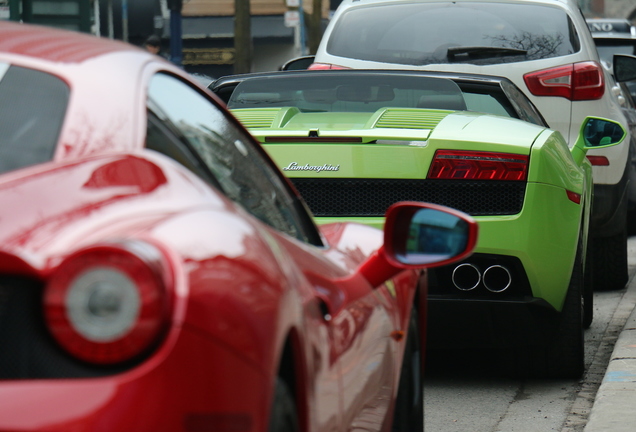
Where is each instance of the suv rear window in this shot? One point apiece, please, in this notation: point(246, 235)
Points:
point(453, 32)
point(32, 108)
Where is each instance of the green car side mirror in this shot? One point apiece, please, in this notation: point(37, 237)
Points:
point(597, 133)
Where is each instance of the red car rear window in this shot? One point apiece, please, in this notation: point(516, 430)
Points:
point(32, 109)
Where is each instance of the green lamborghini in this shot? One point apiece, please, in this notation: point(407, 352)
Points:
point(354, 142)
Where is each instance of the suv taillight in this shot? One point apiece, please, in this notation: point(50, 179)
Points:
point(576, 82)
point(324, 66)
point(477, 165)
point(108, 303)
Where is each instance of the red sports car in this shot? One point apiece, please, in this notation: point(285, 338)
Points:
point(158, 273)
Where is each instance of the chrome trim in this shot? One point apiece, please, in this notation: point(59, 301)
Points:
point(460, 285)
point(508, 277)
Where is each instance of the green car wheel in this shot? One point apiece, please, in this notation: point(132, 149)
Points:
point(563, 355)
point(588, 291)
point(566, 353)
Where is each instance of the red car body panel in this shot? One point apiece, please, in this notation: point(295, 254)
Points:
point(173, 209)
point(241, 293)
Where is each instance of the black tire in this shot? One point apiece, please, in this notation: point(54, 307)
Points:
point(283, 417)
point(566, 351)
point(610, 262)
point(409, 405)
point(562, 355)
point(588, 291)
point(631, 220)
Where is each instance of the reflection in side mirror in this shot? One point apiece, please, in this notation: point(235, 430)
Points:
point(420, 235)
point(434, 236)
point(597, 133)
point(601, 132)
point(426, 235)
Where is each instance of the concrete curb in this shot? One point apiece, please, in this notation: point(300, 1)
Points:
point(614, 407)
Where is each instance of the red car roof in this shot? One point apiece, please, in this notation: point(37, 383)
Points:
point(60, 45)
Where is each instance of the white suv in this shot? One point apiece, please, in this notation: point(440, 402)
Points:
point(543, 46)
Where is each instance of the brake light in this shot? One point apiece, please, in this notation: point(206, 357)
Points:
point(108, 303)
point(576, 82)
point(478, 165)
point(574, 197)
point(324, 66)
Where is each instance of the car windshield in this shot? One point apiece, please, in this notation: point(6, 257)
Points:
point(32, 109)
point(347, 92)
point(453, 32)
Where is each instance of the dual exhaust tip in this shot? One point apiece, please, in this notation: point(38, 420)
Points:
point(495, 278)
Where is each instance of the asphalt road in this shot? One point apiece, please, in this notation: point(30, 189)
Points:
point(469, 392)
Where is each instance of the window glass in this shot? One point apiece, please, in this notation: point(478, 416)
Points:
point(453, 32)
point(347, 92)
point(32, 109)
point(484, 103)
point(161, 138)
point(525, 109)
point(236, 166)
point(607, 49)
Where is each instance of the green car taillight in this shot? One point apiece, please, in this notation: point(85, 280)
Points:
point(478, 165)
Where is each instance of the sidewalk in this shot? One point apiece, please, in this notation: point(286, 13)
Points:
point(614, 408)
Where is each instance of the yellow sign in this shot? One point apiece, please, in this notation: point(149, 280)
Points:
point(198, 56)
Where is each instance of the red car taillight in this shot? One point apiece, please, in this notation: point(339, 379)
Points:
point(108, 303)
point(575, 82)
point(598, 160)
point(324, 66)
point(478, 165)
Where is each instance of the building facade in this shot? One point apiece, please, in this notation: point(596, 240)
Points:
point(208, 26)
point(621, 9)
point(208, 33)
point(609, 9)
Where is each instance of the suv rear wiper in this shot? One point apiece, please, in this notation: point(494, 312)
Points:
point(481, 52)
